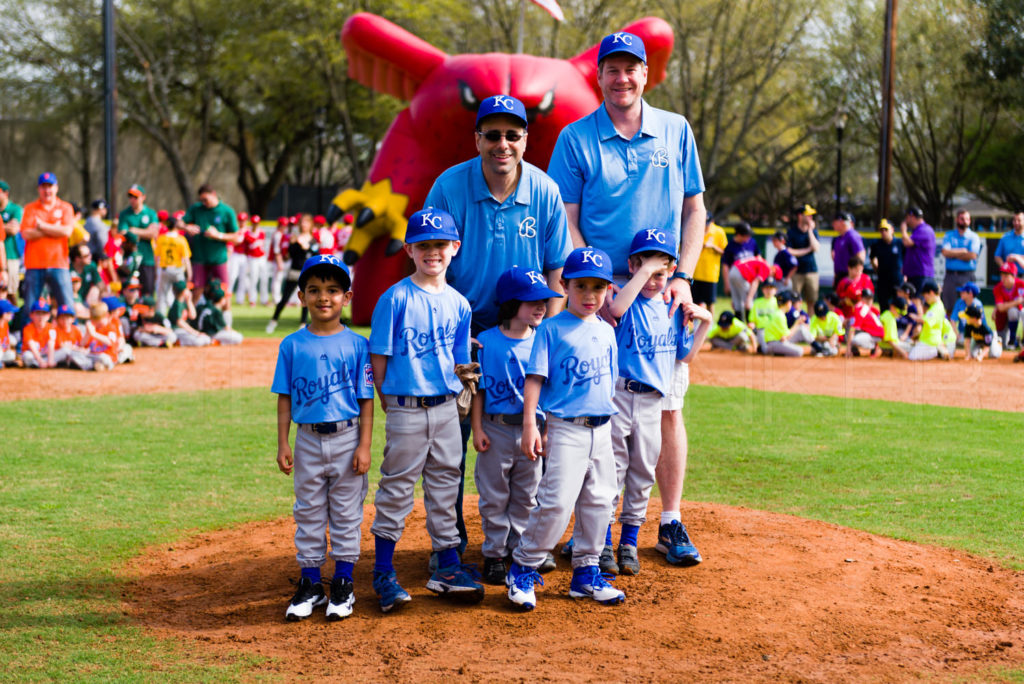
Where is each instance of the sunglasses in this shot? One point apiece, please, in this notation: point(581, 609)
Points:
point(495, 136)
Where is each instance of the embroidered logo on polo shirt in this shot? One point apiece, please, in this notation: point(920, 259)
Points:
point(659, 158)
point(527, 227)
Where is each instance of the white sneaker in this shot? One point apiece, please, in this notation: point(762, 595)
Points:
point(307, 597)
point(342, 599)
point(588, 582)
point(520, 586)
point(271, 326)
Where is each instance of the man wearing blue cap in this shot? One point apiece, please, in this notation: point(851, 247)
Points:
point(508, 213)
point(624, 167)
point(961, 248)
point(10, 219)
point(46, 225)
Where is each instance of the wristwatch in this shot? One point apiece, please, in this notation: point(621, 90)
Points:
point(684, 275)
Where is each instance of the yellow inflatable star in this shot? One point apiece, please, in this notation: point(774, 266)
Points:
point(378, 211)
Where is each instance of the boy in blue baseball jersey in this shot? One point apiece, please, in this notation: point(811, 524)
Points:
point(649, 342)
point(418, 334)
point(324, 383)
point(571, 374)
point(505, 478)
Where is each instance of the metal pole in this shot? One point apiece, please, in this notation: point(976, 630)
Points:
point(522, 22)
point(888, 81)
point(839, 168)
point(109, 107)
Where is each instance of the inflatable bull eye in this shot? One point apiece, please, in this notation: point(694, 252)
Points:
point(436, 130)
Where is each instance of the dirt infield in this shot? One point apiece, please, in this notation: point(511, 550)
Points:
point(957, 383)
point(778, 599)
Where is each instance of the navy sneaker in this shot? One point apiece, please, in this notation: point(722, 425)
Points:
point(457, 580)
point(495, 571)
point(548, 565)
point(590, 582)
point(389, 591)
point(674, 542)
point(520, 581)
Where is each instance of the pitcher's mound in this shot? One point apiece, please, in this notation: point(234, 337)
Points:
point(777, 599)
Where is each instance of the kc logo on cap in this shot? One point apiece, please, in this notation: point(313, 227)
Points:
point(501, 104)
point(431, 223)
point(622, 42)
point(652, 240)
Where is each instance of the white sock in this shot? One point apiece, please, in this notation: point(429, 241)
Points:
point(669, 517)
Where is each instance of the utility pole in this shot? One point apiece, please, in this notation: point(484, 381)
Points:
point(888, 81)
point(109, 108)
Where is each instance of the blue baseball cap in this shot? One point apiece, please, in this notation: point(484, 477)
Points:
point(40, 305)
point(113, 303)
point(588, 262)
point(622, 42)
point(524, 284)
point(7, 307)
point(969, 287)
point(653, 240)
point(325, 260)
point(431, 224)
point(47, 178)
point(65, 310)
point(501, 104)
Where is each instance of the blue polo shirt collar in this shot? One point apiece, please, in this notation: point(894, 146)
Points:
point(481, 192)
point(606, 129)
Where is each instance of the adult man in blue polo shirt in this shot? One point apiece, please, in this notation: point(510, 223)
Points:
point(508, 213)
point(1011, 245)
point(624, 167)
point(961, 248)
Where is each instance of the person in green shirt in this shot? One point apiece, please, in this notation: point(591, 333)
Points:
point(212, 224)
point(11, 213)
point(892, 343)
point(212, 322)
point(762, 308)
point(930, 343)
point(90, 284)
point(141, 221)
point(778, 335)
point(730, 333)
point(826, 328)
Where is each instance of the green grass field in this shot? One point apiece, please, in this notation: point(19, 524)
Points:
point(88, 483)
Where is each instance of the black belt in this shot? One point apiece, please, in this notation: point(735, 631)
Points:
point(636, 387)
point(331, 428)
point(510, 419)
point(424, 402)
point(588, 421)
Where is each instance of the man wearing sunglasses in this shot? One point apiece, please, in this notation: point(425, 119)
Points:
point(624, 167)
point(508, 213)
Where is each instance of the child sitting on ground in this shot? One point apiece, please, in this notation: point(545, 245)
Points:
point(892, 344)
point(777, 336)
point(102, 337)
point(730, 334)
point(930, 343)
point(826, 329)
point(38, 338)
point(69, 352)
point(979, 340)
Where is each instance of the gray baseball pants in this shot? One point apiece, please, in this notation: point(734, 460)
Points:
point(636, 443)
point(425, 441)
point(327, 494)
point(74, 358)
point(580, 476)
point(507, 483)
point(188, 339)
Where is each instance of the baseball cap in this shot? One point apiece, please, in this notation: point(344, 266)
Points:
point(1007, 267)
point(242, 216)
point(256, 218)
point(328, 260)
point(622, 42)
point(113, 303)
point(180, 214)
point(501, 104)
point(969, 287)
point(779, 235)
point(320, 220)
point(179, 287)
point(148, 300)
point(4, 186)
point(431, 224)
point(136, 190)
point(806, 210)
point(975, 310)
point(899, 302)
point(133, 284)
point(65, 310)
point(725, 319)
point(820, 308)
point(843, 216)
point(914, 211)
point(929, 286)
point(652, 240)
point(40, 305)
point(99, 204)
point(770, 282)
point(162, 215)
point(588, 262)
point(523, 284)
point(7, 307)
point(282, 220)
point(884, 224)
point(907, 287)
point(216, 294)
point(47, 178)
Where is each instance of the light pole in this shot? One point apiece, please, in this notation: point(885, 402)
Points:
point(840, 127)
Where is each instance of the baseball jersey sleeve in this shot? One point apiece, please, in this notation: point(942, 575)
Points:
point(538, 364)
point(382, 325)
point(460, 347)
point(564, 167)
point(364, 384)
point(283, 372)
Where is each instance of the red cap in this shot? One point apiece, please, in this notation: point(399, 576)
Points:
point(1007, 267)
point(179, 214)
point(320, 220)
point(282, 220)
point(294, 220)
point(348, 218)
point(162, 215)
point(255, 218)
point(242, 216)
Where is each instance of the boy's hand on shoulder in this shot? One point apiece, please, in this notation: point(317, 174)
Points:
point(361, 459)
point(285, 462)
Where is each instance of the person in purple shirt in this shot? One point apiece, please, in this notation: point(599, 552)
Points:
point(919, 260)
point(847, 244)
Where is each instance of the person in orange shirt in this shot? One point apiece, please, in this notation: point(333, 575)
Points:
point(38, 338)
point(102, 337)
point(69, 352)
point(46, 225)
point(7, 311)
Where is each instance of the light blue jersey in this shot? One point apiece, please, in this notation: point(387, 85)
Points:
point(325, 376)
point(528, 229)
point(503, 361)
point(423, 335)
point(1010, 243)
point(647, 339)
point(580, 363)
point(624, 185)
point(684, 343)
point(969, 241)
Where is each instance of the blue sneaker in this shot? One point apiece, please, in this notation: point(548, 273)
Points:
point(590, 582)
point(457, 580)
point(520, 581)
point(567, 548)
point(389, 591)
point(674, 542)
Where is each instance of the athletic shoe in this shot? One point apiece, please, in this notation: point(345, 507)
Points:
point(629, 564)
point(520, 582)
point(674, 542)
point(590, 582)
point(389, 591)
point(308, 596)
point(495, 570)
point(607, 561)
point(342, 599)
point(548, 565)
point(457, 580)
point(567, 548)
point(271, 326)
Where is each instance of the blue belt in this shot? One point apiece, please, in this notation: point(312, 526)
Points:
point(424, 402)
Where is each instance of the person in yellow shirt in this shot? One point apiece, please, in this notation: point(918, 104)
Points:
point(930, 343)
point(892, 343)
point(174, 260)
point(709, 265)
